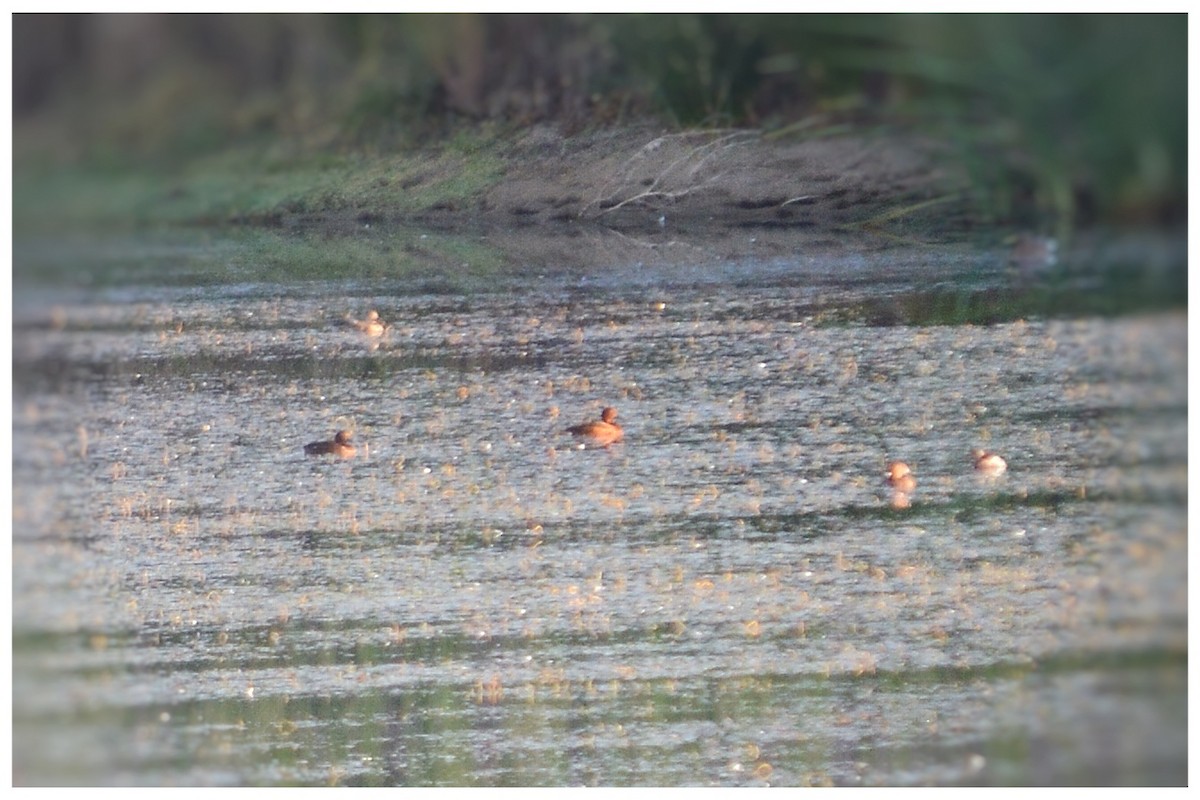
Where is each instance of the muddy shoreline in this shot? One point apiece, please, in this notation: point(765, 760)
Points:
point(644, 195)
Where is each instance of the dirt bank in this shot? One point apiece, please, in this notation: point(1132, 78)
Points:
point(643, 194)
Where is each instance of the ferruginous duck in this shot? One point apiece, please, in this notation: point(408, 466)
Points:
point(602, 432)
point(339, 446)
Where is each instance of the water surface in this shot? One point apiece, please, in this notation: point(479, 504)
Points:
point(728, 597)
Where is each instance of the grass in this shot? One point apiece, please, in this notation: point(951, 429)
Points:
point(1060, 120)
point(245, 214)
point(248, 184)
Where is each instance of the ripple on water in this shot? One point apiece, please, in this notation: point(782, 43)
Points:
point(727, 597)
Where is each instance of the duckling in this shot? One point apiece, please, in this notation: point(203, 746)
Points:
point(988, 463)
point(900, 477)
point(1032, 256)
point(372, 326)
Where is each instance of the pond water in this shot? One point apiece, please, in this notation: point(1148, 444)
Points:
point(728, 597)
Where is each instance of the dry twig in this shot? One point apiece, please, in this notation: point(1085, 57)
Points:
point(680, 177)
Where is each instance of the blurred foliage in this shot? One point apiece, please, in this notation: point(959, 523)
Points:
point(1064, 115)
point(1065, 118)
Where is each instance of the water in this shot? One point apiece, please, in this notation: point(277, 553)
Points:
point(728, 597)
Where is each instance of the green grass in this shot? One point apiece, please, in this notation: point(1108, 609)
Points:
point(250, 184)
point(1060, 119)
point(247, 213)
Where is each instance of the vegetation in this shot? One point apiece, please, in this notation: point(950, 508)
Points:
point(1059, 117)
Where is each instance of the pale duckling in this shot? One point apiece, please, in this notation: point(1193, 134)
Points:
point(1032, 254)
point(602, 431)
point(900, 477)
point(988, 463)
point(372, 326)
point(340, 446)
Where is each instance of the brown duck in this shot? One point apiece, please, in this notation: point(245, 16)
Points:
point(602, 431)
point(339, 446)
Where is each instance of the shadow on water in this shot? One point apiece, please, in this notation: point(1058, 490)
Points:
point(730, 596)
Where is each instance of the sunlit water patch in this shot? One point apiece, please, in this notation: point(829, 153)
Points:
point(729, 597)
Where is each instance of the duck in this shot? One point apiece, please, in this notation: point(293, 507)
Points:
point(602, 432)
point(372, 326)
point(900, 477)
point(988, 463)
point(339, 446)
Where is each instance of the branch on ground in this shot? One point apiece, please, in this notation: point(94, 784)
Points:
point(644, 176)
